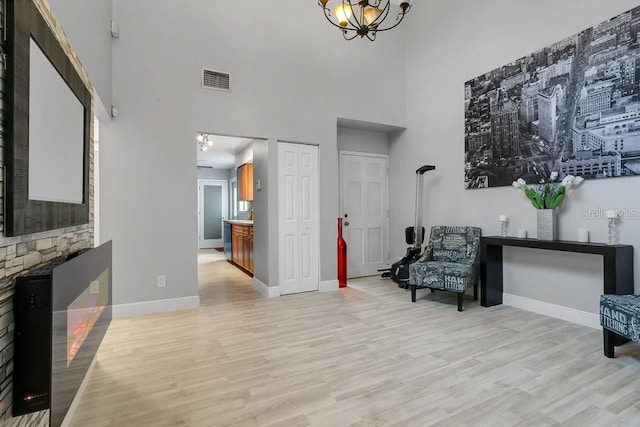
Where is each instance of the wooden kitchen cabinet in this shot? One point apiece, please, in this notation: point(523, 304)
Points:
point(248, 250)
point(245, 182)
point(242, 246)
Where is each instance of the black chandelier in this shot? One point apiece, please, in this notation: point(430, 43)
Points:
point(363, 18)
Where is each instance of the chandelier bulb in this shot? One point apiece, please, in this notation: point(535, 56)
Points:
point(371, 14)
point(343, 13)
point(210, 142)
point(200, 137)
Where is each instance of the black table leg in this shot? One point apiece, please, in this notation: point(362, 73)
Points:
point(491, 281)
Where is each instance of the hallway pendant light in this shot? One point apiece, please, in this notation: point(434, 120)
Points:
point(364, 18)
point(204, 141)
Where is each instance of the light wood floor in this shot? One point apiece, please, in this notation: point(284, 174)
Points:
point(363, 356)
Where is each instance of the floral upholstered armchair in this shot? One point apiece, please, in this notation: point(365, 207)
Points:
point(451, 262)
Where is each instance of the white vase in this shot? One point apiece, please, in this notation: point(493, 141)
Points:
point(547, 224)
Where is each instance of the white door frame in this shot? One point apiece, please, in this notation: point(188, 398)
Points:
point(385, 236)
point(211, 243)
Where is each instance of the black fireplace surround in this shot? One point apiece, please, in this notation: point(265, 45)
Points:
point(62, 312)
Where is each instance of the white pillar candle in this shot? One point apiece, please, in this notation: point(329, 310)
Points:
point(583, 235)
point(522, 233)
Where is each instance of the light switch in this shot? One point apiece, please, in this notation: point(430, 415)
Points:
point(258, 184)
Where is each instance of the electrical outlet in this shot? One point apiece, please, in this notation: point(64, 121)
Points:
point(162, 281)
point(94, 287)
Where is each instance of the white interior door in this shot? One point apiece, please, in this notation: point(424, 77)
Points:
point(298, 204)
point(364, 206)
point(212, 209)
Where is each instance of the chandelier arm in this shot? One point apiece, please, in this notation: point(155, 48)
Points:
point(383, 15)
point(344, 34)
point(353, 16)
point(399, 19)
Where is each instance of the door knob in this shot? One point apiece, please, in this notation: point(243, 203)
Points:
point(346, 223)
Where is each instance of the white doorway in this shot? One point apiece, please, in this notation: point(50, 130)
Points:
point(364, 205)
point(212, 210)
point(298, 205)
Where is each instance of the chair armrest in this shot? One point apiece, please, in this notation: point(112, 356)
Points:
point(426, 257)
point(472, 264)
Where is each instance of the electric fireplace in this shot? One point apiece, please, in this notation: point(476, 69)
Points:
point(62, 312)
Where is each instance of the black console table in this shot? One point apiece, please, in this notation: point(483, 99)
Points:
point(618, 270)
point(618, 263)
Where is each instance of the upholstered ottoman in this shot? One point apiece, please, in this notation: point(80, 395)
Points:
point(620, 320)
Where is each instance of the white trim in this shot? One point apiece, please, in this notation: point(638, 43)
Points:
point(329, 286)
point(76, 399)
point(233, 202)
point(224, 207)
point(157, 306)
point(364, 154)
point(264, 290)
point(583, 318)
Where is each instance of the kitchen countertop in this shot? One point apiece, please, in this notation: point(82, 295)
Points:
point(239, 221)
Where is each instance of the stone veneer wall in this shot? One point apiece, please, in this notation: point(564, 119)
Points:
point(20, 254)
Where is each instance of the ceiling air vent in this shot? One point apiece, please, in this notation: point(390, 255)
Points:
point(216, 80)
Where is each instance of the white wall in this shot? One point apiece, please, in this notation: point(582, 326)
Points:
point(291, 79)
point(363, 141)
point(210, 173)
point(261, 220)
point(246, 156)
point(88, 26)
point(450, 43)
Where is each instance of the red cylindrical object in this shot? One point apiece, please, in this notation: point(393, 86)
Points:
point(342, 257)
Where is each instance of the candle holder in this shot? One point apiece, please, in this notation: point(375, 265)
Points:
point(611, 216)
point(613, 232)
point(583, 235)
point(503, 225)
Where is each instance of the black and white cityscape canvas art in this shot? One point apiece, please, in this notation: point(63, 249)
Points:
point(572, 107)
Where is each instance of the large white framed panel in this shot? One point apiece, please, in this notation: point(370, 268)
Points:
point(56, 134)
point(305, 198)
point(290, 251)
point(290, 190)
point(375, 242)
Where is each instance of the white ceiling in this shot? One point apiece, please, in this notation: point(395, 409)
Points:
point(222, 153)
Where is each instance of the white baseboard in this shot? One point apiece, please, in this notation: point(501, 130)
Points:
point(584, 318)
point(264, 290)
point(274, 291)
point(157, 306)
point(328, 286)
